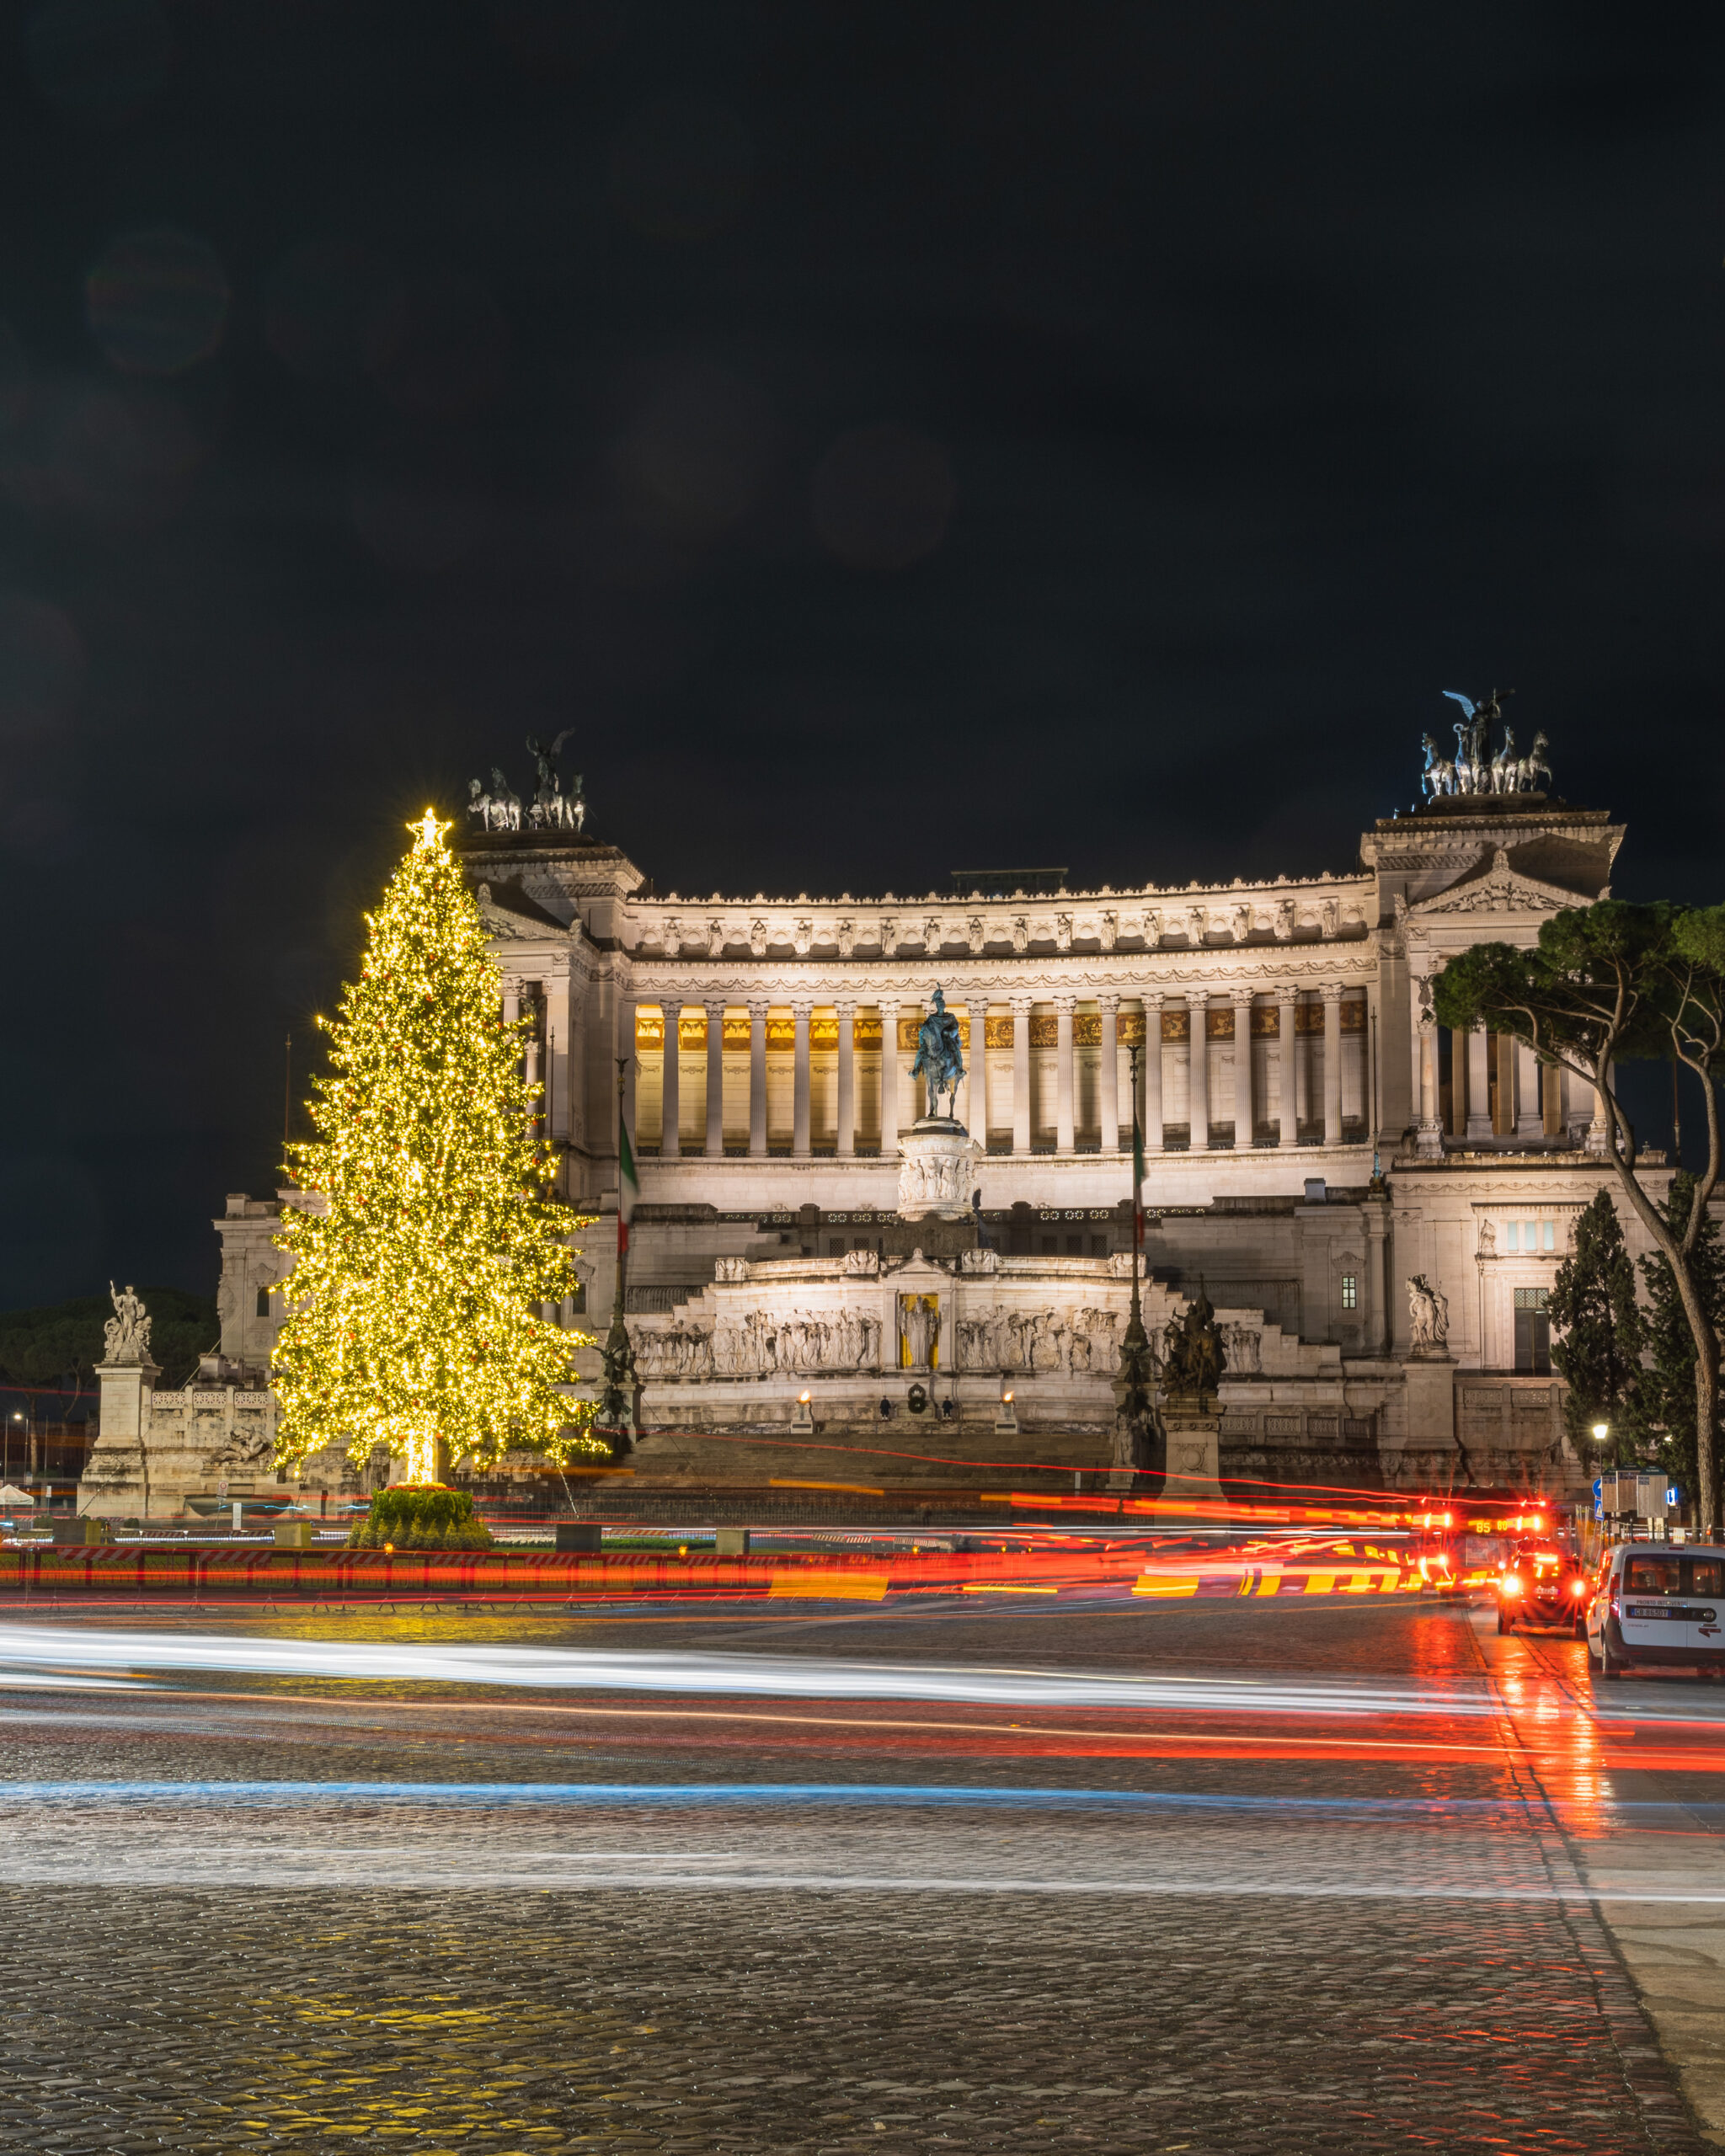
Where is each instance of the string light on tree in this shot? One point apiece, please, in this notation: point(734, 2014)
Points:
point(429, 1241)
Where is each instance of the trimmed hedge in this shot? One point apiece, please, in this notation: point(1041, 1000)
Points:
point(420, 1516)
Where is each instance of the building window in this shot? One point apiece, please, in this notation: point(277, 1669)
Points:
point(578, 1300)
point(263, 1302)
point(1548, 1234)
point(1512, 1235)
point(1350, 1291)
point(1533, 1333)
point(1098, 1246)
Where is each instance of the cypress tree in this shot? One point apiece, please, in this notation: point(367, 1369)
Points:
point(1600, 1334)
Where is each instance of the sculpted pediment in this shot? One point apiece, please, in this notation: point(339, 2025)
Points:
point(1496, 889)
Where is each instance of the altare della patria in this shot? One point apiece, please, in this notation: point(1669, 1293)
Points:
point(886, 1152)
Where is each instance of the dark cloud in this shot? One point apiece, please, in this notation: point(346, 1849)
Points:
point(1154, 408)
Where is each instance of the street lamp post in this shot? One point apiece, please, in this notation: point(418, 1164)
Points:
point(1601, 1432)
point(616, 1406)
point(1134, 1388)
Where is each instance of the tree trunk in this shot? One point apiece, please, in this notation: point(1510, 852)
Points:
point(1681, 1263)
point(1706, 1421)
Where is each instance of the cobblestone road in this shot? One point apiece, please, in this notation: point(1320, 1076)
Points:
point(1208, 1953)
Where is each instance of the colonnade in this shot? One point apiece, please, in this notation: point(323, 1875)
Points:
point(901, 1101)
point(1498, 1090)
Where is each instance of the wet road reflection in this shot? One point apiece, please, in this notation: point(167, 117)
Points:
point(1314, 1829)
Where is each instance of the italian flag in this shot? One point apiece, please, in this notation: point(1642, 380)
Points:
point(629, 1187)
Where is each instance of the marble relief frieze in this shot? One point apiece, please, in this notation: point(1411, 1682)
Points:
point(859, 1315)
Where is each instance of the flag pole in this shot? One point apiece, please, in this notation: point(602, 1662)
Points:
point(616, 1410)
point(1134, 1388)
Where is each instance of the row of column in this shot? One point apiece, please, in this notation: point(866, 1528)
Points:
point(1244, 1105)
point(1521, 1110)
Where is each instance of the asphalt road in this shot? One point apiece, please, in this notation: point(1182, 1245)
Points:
point(1165, 1875)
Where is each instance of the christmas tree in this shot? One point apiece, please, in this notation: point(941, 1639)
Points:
point(429, 1242)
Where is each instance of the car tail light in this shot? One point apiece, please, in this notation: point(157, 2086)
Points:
point(1512, 1583)
point(1577, 1586)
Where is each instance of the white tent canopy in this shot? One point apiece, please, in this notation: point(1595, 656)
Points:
point(10, 1494)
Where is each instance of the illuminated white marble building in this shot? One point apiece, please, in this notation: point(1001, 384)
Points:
point(1285, 1049)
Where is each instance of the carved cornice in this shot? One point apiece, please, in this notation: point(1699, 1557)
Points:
point(868, 981)
point(948, 904)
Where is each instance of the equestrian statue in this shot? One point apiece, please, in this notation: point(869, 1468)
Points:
point(940, 1057)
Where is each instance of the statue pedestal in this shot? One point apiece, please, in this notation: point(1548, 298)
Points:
point(1194, 1462)
point(1428, 1379)
point(117, 1473)
point(125, 1389)
point(937, 1170)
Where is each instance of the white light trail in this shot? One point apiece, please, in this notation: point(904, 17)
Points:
point(29, 1649)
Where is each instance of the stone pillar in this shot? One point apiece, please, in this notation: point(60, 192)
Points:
point(847, 1080)
point(1598, 1131)
point(889, 1080)
point(671, 1143)
point(1375, 1287)
point(1108, 1090)
point(757, 1080)
point(1332, 1066)
point(715, 1082)
point(1198, 1068)
point(800, 1013)
point(1021, 1074)
point(1458, 1084)
point(1153, 1074)
point(1430, 1142)
point(538, 1115)
point(1243, 1125)
point(1529, 1122)
point(1063, 1075)
point(1288, 1056)
point(980, 1103)
point(1479, 1087)
point(1572, 1092)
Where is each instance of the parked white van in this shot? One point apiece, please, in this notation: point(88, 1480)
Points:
point(1655, 1606)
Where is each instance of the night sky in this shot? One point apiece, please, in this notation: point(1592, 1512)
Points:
point(892, 436)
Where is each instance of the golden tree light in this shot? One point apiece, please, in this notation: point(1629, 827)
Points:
point(430, 1241)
